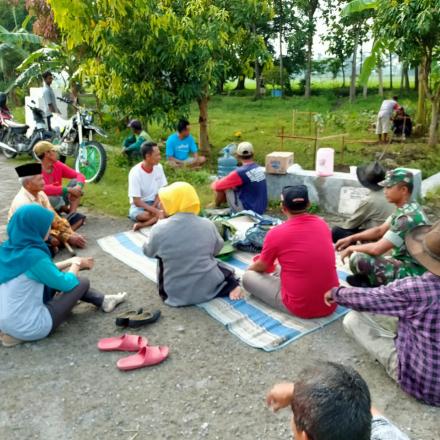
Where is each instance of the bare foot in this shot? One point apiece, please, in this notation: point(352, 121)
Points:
point(136, 227)
point(236, 294)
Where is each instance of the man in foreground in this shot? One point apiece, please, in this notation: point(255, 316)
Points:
point(144, 181)
point(244, 188)
point(63, 198)
point(181, 145)
point(303, 248)
point(412, 357)
point(383, 123)
point(374, 210)
point(368, 262)
point(332, 402)
point(49, 98)
point(132, 144)
point(32, 192)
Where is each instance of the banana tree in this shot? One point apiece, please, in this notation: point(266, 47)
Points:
point(13, 48)
point(53, 57)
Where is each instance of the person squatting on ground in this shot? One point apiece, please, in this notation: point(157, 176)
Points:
point(185, 246)
point(245, 188)
point(144, 181)
point(31, 192)
point(132, 144)
point(367, 261)
point(374, 210)
point(29, 280)
point(402, 124)
point(180, 146)
point(62, 198)
point(303, 248)
point(332, 402)
point(383, 123)
point(412, 356)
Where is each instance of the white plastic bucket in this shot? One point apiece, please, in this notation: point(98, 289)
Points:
point(325, 161)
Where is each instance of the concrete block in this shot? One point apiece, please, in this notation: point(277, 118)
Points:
point(338, 194)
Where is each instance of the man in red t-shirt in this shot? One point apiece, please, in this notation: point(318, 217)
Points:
point(303, 248)
point(62, 198)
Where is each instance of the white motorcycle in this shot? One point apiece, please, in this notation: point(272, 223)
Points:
point(76, 139)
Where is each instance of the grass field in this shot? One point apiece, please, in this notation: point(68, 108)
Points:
point(236, 118)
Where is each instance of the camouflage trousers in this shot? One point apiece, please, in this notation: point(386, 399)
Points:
point(382, 270)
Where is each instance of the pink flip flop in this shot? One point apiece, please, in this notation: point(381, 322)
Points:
point(146, 357)
point(122, 343)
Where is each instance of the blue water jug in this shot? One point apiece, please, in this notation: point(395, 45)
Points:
point(227, 163)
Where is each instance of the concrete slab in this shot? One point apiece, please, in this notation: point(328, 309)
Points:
point(338, 194)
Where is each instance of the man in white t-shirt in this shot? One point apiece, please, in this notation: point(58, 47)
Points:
point(144, 181)
point(383, 124)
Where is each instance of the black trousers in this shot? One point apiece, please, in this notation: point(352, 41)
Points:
point(231, 282)
point(60, 307)
point(338, 233)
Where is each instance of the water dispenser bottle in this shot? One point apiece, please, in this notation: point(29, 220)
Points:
point(227, 163)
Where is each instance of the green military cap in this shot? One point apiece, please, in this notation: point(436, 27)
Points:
point(396, 176)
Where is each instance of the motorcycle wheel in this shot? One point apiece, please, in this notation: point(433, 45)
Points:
point(96, 164)
point(8, 153)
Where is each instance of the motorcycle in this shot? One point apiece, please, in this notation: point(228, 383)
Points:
point(13, 138)
point(76, 139)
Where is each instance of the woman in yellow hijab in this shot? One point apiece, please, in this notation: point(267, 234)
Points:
point(185, 246)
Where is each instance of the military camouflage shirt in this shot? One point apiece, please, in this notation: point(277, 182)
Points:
point(401, 222)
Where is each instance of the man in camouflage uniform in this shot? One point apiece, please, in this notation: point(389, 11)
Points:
point(367, 261)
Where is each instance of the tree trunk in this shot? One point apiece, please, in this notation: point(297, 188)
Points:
point(380, 75)
point(416, 78)
point(421, 100)
point(240, 83)
point(391, 71)
point(365, 91)
point(308, 85)
point(406, 78)
point(433, 127)
point(343, 75)
point(353, 70)
point(257, 80)
point(203, 124)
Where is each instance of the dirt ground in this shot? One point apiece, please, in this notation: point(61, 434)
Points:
point(211, 387)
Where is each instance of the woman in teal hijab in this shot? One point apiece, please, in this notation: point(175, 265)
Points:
point(27, 231)
point(26, 269)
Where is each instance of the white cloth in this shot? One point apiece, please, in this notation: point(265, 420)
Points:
point(145, 185)
point(387, 107)
point(383, 124)
point(22, 312)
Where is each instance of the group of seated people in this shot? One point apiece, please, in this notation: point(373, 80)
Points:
point(295, 272)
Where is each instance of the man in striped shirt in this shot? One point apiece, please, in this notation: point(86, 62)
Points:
point(412, 356)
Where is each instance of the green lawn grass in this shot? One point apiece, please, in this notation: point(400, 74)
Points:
point(237, 118)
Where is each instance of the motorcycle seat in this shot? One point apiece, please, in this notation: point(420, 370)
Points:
point(13, 124)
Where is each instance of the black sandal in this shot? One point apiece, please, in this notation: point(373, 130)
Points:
point(123, 319)
point(143, 318)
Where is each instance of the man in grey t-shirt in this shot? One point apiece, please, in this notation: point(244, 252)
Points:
point(331, 400)
point(50, 101)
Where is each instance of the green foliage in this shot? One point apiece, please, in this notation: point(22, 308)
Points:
point(356, 6)
point(153, 58)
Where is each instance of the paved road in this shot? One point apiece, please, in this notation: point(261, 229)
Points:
point(211, 387)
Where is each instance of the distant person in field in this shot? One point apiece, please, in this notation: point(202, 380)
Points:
point(374, 210)
point(383, 123)
point(402, 124)
point(65, 198)
point(244, 188)
point(132, 144)
point(332, 402)
point(303, 248)
point(181, 148)
point(144, 181)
